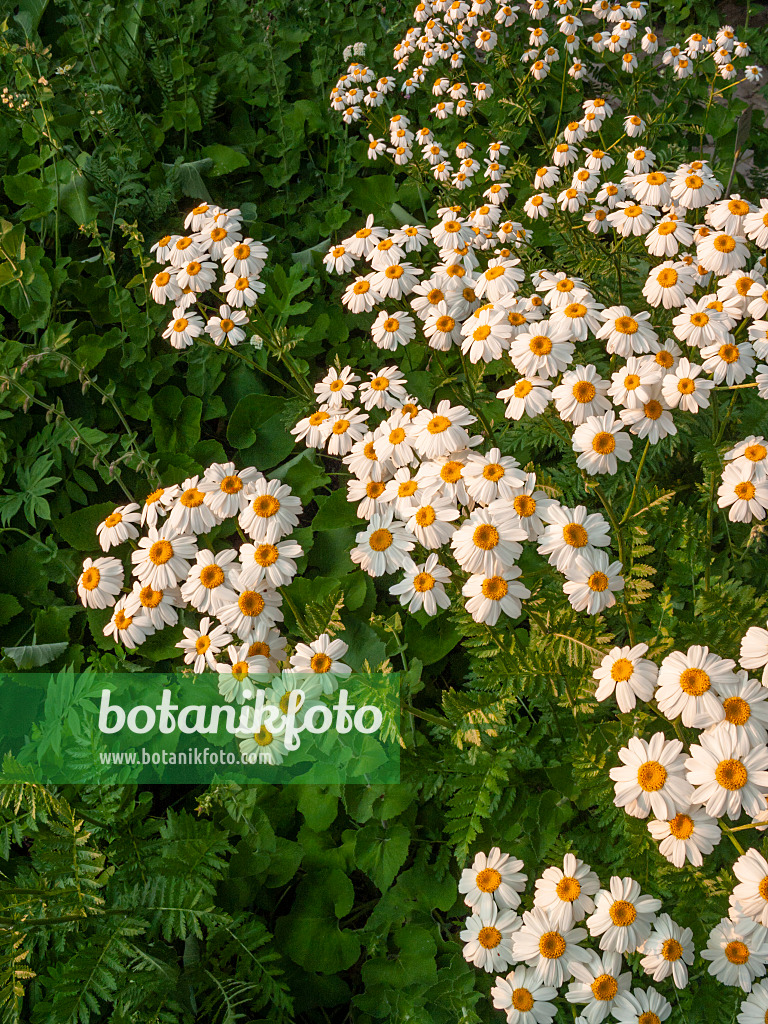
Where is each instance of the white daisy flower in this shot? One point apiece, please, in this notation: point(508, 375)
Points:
point(669, 284)
point(272, 511)
point(626, 333)
point(623, 916)
point(580, 317)
point(488, 939)
point(494, 878)
point(486, 335)
point(268, 644)
point(119, 526)
point(634, 385)
point(235, 678)
point(529, 396)
point(552, 952)
point(684, 387)
point(751, 452)
point(542, 351)
point(158, 503)
point(668, 951)
point(750, 896)
point(290, 691)
point(565, 895)
point(625, 672)
point(591, 582)
point(688, 685)
point(489, 596)
point(738, 953)
point(227, 326)
point(207, 585)
point(728, 774)
point(745, 497)
point(598, 982)
point(267, 747)
point(524, 998)
point(164, 287)
point(491, 476)
point(754, 650)
point(632, 219)
point(383, 546)
point(224, 488)
point(336, 388)
point(201, 645)
point(601, 441)
point(441, 432)
point(432, 522)
point(690, 835)
point(754, 1009)
point(254, 607)
point(271, 562)
point(525, 510)
point(385, 389)
point(651, 420)
point(651, 778)
point(480, 545)
point(721, 253)
point(320, 662)
point(100, 582)
point(571, 532)
point(130, 630)
point(162, 558)
point(423, 586)
point(242, 291)
point(641, 1006)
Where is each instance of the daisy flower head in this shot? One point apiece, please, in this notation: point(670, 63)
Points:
point(437, 434)
point(190, 513)
point(571, 532)
point(636, 383)
point(745, 497)
point(754, 1009)
point(668, 950)
point(598, 982)
point(486, 335)
point(119, 526)
point(336, 388)
point(592, 582)
point(225, 488)
point(565, 894)
point(627, 674)
point(491, 476)
point(383, 546)
point(626, 333)
point(164, 287)
point(100, 581)
point(737, 952)
point(684, 387)
point(542, 351)
point(552, 952)
point(158, 503)
point(431, 523)
point(314, 429)
point(207, 585)
point(690, 835)
point(242, 291)
point(728, 361)
point(728, 774)
point(578, 318)
point(162, 558)
point(525, 509)
point(361, 296)
point(651, 778)
point(754, 650)
point(623, 916)
point(290, 692)
point(390, 330)
point(262, 745)
point(320, 662)
point(272, 511)
point(488, 939)
point(482, 545)
point(235, 677)
point(688, 685)
point(581, 394)
point(524, 998)
point(271, 562)
point(423, 586)
point(601, 441)
point(752, 452)
point(630, 218)
point(494, 877)
point(669, 284)
point(750, 896)
point(640, 1006)
point(490, 595)
point(529, 396)
point(201, 645)
point(130, 630)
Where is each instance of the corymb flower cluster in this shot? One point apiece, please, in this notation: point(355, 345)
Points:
point(570, 907)
point(215, 243)
point(426, 492)
point(235, 590)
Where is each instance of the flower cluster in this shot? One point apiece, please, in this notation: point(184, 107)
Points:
point(235, 590)
point(423, 487)
point(191, 266)
point(452, 36)
point(703, 329)
point(744, 483)
point(569, 907)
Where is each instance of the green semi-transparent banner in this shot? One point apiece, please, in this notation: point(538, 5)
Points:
point(181, 729)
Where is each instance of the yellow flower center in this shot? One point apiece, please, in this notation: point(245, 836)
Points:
point(162, 279)
point(161, 552)
point(425, 516)
point(598, 582)
point(671, 950)
point(90, 578)
point(361, 287)
point(604, 443)
point(192, 498)
point(494, 588)
point(231, 484)
point(374, 488)
point(438, 424)
point(263, 737)
point(489, 937)
point(485, 536)
point(584, 391)
point(451, 472)
point(736, 952)
point(250, 603)
point(681, 826)
point(651, 776)
point(551, 945)
point(667, 227)
point(493, 472)
point(113, 520)
point(423, 581)
point(622, 670)
point(522, 1000)
point(686, 386)
point(524, 505)
point(626, 325)
point(380, 383)
point(523, 388)
point(380, 540)
point(202, 643)
point(445, 324)
point(724, 243)
point(695, 682)
point(622, 913)
point(211, 576)
point(340, 426)
point(320, 663)
point(604, 988)
point(265, 505)
point(744, 490)
point(488, 880)
point(575, 535)
point(317, 418)
point(540, 345)
point(667, 277)
point(731, 774)
point(397, 436)
point(481, 333)
point(267, 554)
point(568, 889)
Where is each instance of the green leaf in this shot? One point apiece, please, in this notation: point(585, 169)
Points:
point(78, 529)
point(225, 159)
point(380, 852)
point(9, 607)
point(335, 512)
point(175, 419)
point(34, 655)
point(310, 933)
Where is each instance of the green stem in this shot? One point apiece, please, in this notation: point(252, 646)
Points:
point(637, 481)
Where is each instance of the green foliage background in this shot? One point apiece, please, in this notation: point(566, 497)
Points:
point(266, 903)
